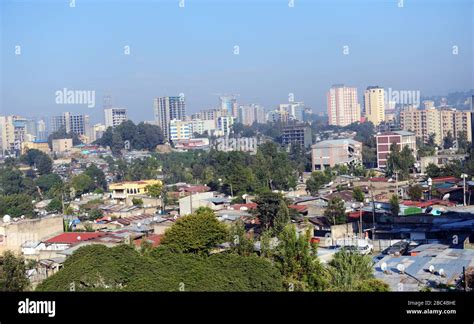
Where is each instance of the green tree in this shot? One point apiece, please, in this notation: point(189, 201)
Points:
point(137, 201)
point(95, 214)
point(97, 175)
point(154, 190)
point(196, 233)
point(358, 194)
point(317, 180)
point(12, 181)
point(13, 273)
point(55, 205)
point(351, 271)
point(433, 171)
point(43, 164)
point(400, 161)
point(16, 205)
point(123, 268)
point(272, 211)
point(82, 183)
point(297, 260)
point(47, 182)
point(463, 143)
point(39, 159)
point(336, 211)
point(394, 205)
point(240, 242)
point(448, 140)
point(415, 192)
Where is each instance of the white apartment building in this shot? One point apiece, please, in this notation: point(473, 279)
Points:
point(167, 109)
point(12, 133)
point(249, 114)
point(114, 116)
point(343, 105)
point(224, 124)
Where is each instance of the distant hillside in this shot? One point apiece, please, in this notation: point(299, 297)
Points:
point(460, 100)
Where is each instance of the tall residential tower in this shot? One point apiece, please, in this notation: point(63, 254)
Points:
point(343, 105)
point(167, 109)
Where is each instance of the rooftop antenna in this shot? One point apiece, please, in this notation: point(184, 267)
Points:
point(431, 269)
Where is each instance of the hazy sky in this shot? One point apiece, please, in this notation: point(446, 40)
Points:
point(190, 50)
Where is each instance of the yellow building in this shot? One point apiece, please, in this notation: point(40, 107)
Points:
point(122, 190)
point(35, 145)
point(61, 145)
point(374, 103)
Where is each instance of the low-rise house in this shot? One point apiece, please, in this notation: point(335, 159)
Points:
point(123, 190)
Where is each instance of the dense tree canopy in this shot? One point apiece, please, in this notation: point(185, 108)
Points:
point(400, 162)
point(196, 233)
point(272, 211)
point(139, 137)
point(122, 268)
point(349, 271)
point(16, 205)
point(12, 273)
point(336, 211)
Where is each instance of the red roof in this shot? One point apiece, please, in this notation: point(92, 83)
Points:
point(239, 206)
point(299, 208)
point(154, 239)
point(424, 204)
point(445, 179)
point(74, 237)
point(356, 214)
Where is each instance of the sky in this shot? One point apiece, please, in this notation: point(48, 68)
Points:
point(282, 49)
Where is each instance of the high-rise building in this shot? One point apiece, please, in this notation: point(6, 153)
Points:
point(249, 114)
point(41, 133)
point(294, 110)
point(224, 124)
point(228, 103)
point(374, 104)
point(208, 114)
point(425, 122)
point(298, 134)
point(343, 105)
point(114, 116)
point(12, 134)
point(78, 124)
point(167, 109)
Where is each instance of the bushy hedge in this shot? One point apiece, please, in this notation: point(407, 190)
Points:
point(122, 268)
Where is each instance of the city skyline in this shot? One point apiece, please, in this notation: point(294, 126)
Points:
point(300, 56)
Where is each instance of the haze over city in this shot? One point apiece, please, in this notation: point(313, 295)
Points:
point(423, 45)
